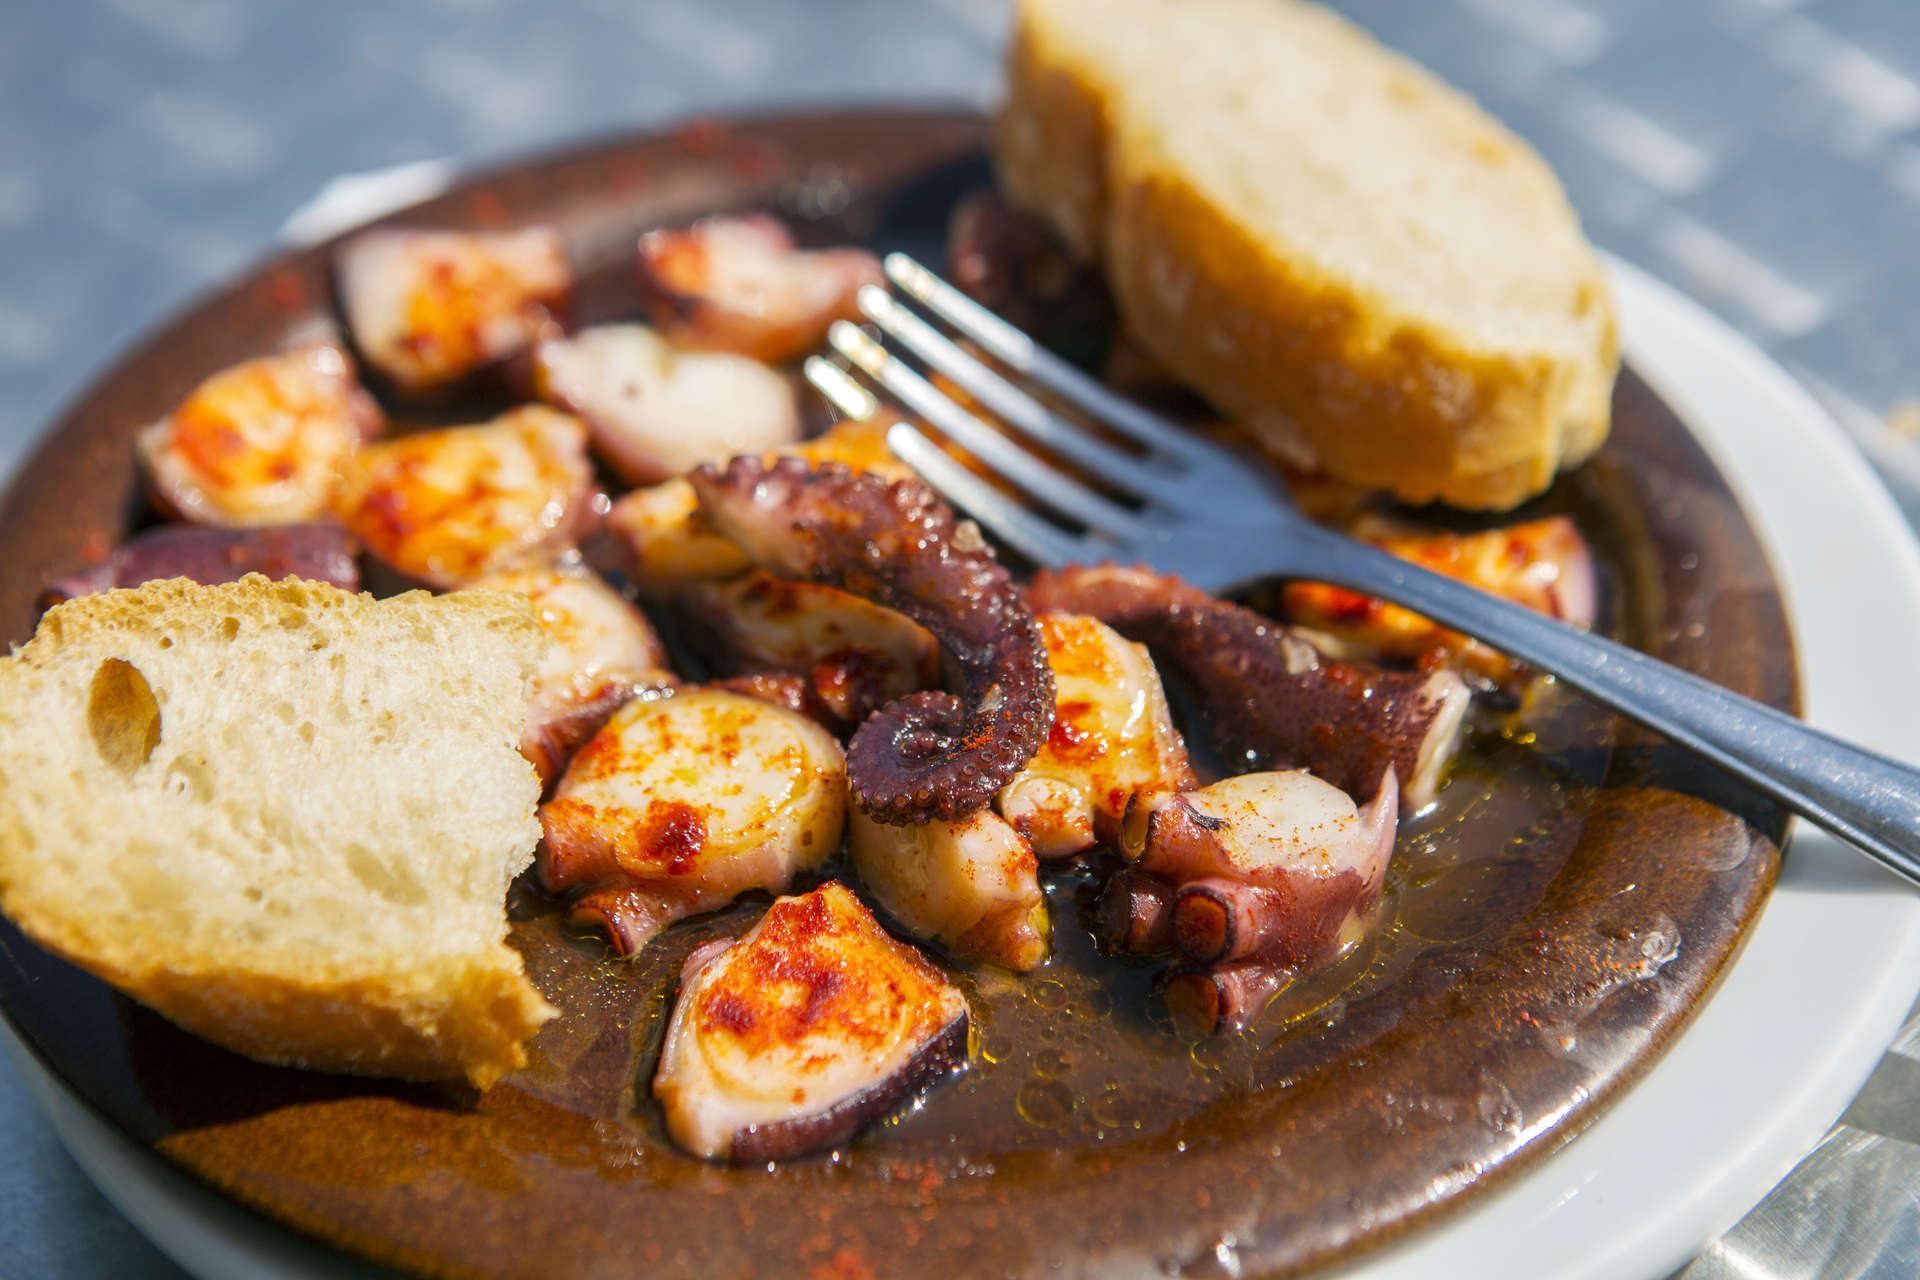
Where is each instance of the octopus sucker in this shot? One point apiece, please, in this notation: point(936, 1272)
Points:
point(813, 1024)
point(1269, 698)
point(1247, 881)
point(1222, 998)
point(1134, 914)
point(932, 754)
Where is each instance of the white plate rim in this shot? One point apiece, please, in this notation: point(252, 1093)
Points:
point(1740, 1097)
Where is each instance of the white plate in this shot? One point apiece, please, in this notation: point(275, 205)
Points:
point(1772, 1059)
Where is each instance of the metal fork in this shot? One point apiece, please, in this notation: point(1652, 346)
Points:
point(1196, 509)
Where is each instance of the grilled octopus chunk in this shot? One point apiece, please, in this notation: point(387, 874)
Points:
point(655, 410)
point(1014, 264)
point(1268, 697)
point(852, 656)
point(670, 544)
point(932, 754)
point(1250, 880)
point(738, 284)
point(812, 1025)
point(973, 885)
point(449, 506)
point(679, 805)
point(428, 308)
point(320, 552)
point(1542, 564)
point(603, 652)
point(1112, 735)
point(262, 442)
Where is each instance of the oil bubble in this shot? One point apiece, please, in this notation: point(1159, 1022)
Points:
point(1051, 1062)
point(1045, 1104)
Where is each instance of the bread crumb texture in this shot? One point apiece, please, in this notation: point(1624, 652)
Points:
point(1340, 251)
point(282, 815)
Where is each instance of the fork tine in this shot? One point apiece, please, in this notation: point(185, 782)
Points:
point(1033, 536)
point(1024, 355)
point(1010, 404)
point(838, 386)
point(1055, 488)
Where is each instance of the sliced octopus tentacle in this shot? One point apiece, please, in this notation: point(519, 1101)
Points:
point(1249, 881)
point(1134, 915)
point(1269, 698)
point(932, 754)
point(1224, 997)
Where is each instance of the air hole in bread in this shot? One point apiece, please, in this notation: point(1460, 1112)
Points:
point(122, 715)
point(379, 878)
point(188, 777)
point(229, 628)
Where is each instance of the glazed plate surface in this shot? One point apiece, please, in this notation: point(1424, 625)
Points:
point(1554, 923)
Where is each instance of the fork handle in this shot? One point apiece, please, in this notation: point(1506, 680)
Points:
point(1867, 799)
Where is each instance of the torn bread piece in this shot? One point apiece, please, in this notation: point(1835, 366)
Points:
point(1344, 254)
point(282, 815)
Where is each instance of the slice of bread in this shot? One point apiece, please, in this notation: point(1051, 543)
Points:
point(1338, 250)
point(282, 815)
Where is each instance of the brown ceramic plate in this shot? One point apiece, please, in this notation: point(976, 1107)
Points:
point(1529, 971)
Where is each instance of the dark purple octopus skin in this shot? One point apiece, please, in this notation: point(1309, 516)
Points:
point(939, 1058)
point(932, 754)
point(1270, 700)
point(319, 552)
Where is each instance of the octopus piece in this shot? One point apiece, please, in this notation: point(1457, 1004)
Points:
point(795, 693)
point(656, 411)
point(854, 655)
point(738, 284)
point(668, 541)
point(1112, 735)
point(937, 753)
point(681, 804)
point(447, 507)
point(1269, 698)
point(603, 653)
point(1542, 564)
point(319, 552)
point(811, 1026)
point(1015, 266)
point(428, 308)
point(1267, 871)
point(973, 885)
point(262, 442)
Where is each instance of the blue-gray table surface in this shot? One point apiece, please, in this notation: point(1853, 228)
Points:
point(1762, 155)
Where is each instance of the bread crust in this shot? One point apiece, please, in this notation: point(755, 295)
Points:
point(445, 1013)
point(1327, 374)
